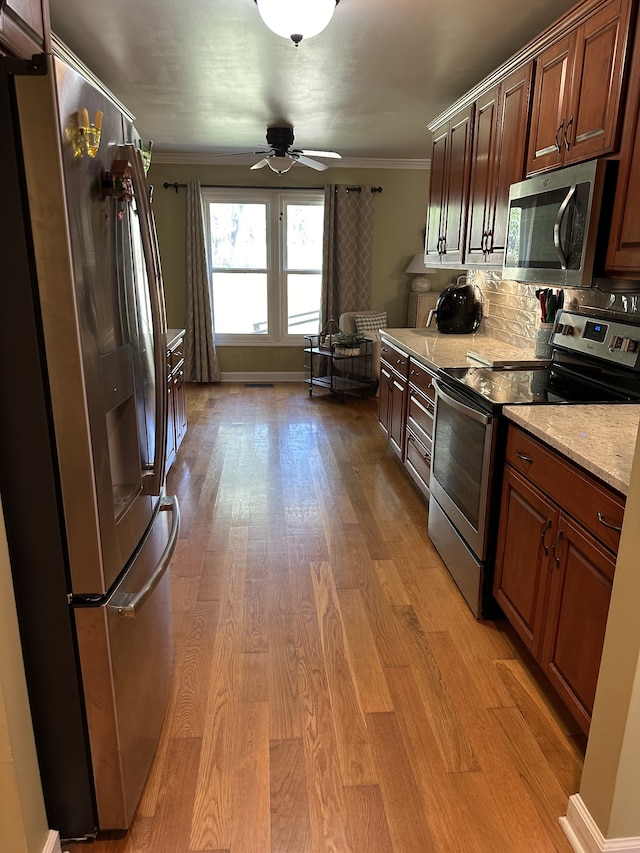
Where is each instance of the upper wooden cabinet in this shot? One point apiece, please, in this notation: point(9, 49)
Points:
point(449, 190)
point(24, 27)
point(578, 86)
point(623, 256)
point(497, 161)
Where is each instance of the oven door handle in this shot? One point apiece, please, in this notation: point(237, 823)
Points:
point(462, 406)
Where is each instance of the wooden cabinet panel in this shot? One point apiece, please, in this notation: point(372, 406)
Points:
point(176, 401)
point(392, 401)
point(418, 462)
point(578, 607)
point(589, 501)
point(527, 531)
point(449, 190)
point(498, 160)
point(555, 564)
point(578, 90)
point(24, 27)
point(437, 190)
point(623, 255)
point(553, 76)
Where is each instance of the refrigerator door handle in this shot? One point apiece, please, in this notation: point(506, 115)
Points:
point(129, 604)
point(154, 479)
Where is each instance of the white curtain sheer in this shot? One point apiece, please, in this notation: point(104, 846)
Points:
point(348, 248)
point(201, 359)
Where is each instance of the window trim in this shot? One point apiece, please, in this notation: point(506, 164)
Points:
point(275, 201)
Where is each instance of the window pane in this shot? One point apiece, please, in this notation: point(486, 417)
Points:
point(240, 303)
point(238, 235)
point(305, 225)
point(303, 304)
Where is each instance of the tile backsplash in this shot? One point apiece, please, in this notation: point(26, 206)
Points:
point(511, 312)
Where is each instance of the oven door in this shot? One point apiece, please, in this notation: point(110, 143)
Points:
point(462, 465)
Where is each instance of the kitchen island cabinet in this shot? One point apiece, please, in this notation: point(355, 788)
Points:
point(559, 530)
point(24, 28)
point(578, 90)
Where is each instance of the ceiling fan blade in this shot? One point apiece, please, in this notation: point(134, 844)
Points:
point(332, 154)
point(260, 164)
point(307, 161)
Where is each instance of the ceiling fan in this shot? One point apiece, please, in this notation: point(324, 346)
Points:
point(281, 156)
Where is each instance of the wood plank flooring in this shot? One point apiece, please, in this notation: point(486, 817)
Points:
point(332, 691)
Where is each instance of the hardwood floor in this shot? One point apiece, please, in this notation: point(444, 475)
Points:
point(332, 690)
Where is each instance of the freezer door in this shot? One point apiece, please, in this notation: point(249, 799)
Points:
point(126, 657)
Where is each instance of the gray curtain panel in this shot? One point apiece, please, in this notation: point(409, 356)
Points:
point(201, 359)
point(348, 246)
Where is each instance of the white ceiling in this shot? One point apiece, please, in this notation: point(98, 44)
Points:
point(206, 76)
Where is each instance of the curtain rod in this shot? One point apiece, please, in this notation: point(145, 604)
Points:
point(176, 186)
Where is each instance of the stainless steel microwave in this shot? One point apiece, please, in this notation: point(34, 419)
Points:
point(553, 225)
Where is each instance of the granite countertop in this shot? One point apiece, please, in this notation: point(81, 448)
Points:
point(436, 350)
point(600, 438)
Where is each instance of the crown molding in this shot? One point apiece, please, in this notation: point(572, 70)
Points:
point(191, 158)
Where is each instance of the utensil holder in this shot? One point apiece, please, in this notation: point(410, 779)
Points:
point(542, 347)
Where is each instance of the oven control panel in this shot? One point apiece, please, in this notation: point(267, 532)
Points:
point(611, 340)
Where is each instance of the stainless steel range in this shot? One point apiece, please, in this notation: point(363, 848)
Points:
point(596, 359)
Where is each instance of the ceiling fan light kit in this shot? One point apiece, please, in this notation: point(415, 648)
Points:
point(296, 19)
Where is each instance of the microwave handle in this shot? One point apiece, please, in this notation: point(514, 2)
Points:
point(558, 224)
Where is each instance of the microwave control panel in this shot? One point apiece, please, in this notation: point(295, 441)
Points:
point(610, 340)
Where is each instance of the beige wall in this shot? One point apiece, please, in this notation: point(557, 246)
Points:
point(400, 212)
point(22, 816)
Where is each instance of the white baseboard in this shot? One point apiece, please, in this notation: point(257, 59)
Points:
point(53, 843)
point(262, 377)
point(584, 835)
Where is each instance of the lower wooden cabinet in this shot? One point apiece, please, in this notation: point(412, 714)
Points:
point(555, 565)
point(419, 426)
point(176, 403)
point(392, 398)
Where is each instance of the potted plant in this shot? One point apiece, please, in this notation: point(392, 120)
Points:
point(348, 343)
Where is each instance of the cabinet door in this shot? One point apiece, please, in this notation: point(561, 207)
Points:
point(526, 532)
point(384, 398)
point(179, 406)
point(580, 592)
point(552, 81)
point(437, 189)
point(24, 27)
point(457, 193)
point(623, 255)
point(397, 414)
point(171, 426)
point(482, 193)
point(591, 122)
point(509, 161)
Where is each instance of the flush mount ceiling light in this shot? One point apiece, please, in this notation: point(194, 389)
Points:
point(296, 19)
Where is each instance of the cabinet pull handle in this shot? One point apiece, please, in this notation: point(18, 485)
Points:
point(543, 536)
point(566, 131)
point(558, 132)
point(556, 544)
point(607, 525)
point(524, 458)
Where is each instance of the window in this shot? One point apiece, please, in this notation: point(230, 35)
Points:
point(266, 262)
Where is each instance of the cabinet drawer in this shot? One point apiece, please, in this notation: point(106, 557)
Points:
point(584, 497)
point(422, 379)
point(395, 359)
point(420, 413)
point(418, 462)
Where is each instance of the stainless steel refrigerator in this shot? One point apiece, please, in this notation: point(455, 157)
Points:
point(82, 438)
